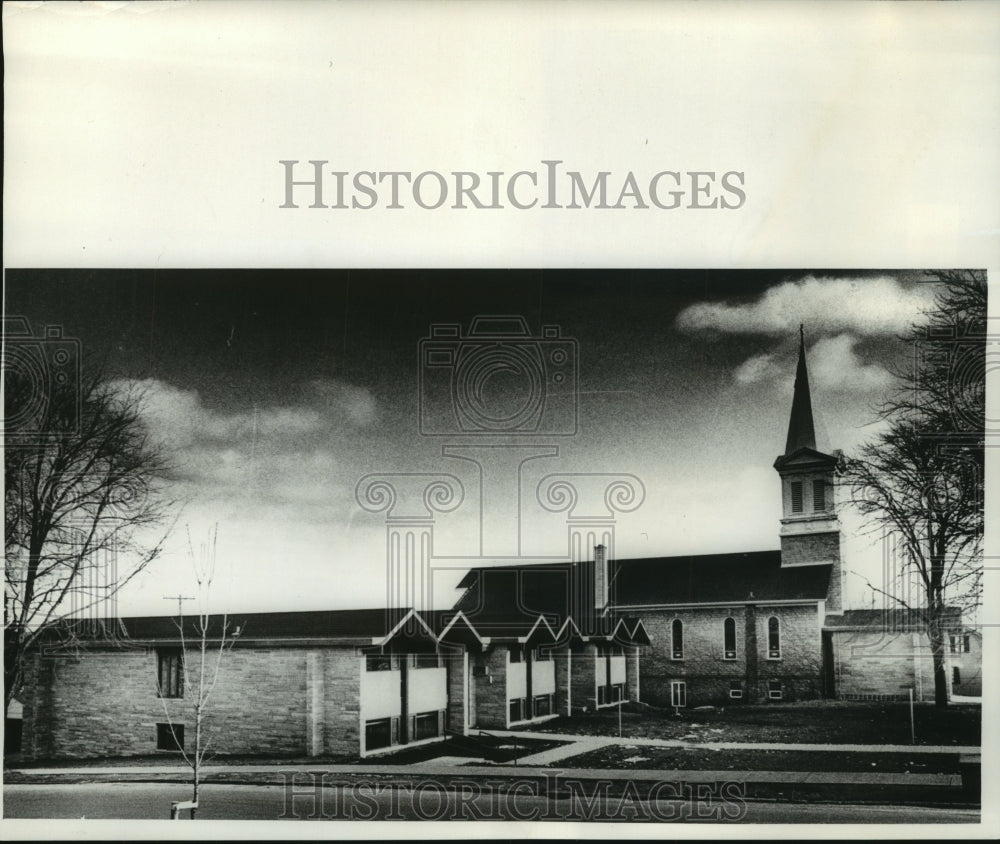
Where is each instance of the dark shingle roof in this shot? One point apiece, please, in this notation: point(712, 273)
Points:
point(509, 593)
point(897, 619)
point(271, 626)
point(715, 578)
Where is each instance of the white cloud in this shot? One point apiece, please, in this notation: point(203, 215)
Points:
point(834, 366)
point(277, 462)
point(870, 306)
point(356, 403)
point(179, 417)
point(757, 369)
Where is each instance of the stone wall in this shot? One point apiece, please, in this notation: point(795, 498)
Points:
point(810, 548)
point(492, 711)
point(583, 678)
point(105, 703)
point(710, 676)
point(342, 695)
point(881, 665)
point(458, 678)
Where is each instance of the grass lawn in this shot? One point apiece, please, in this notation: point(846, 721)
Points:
point(809, 722)
point(491, 748)
point(696, 759)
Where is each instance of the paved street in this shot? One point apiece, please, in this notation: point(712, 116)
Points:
point(241, 802)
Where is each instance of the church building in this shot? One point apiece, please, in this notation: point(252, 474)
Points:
point(523, 643)
point(747, 627)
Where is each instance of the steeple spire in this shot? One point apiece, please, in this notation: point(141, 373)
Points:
point(801, 433)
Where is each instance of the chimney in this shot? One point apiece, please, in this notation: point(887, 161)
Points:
point(601, 576)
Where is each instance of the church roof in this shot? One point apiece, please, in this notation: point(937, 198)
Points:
point(801, 433)
point(505, 601)
point(256, 626)
point(555, 590)
point(895, 619)
point(715, 578)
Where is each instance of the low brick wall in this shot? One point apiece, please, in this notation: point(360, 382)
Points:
point(105, 703)
point(708, 675)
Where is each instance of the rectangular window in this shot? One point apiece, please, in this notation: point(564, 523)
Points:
point(796, 496)
point(819, 496)
point(169, 736)
point(619, 693)
point(543, 705)
point(378, 734)
point(426, 661)
point(425, 726)
point(515, 710)
point(378, 662)
point(956, 676)
point(170, 672)
point(774, 691)
point(736, 689)
point(953, 644)
point(678, 693)
point(602, 695)
point(966, 643)
point(515, 653)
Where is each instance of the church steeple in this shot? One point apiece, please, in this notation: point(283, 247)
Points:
point(810, 528)
point(801, 433)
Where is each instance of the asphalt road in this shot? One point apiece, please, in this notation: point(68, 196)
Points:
point(475, 802)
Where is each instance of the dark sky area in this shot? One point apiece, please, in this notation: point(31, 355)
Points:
point(280, 389)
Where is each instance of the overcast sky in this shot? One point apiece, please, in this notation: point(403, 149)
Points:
point(277, 391)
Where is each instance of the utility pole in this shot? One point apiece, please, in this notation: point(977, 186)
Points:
point(179, 599)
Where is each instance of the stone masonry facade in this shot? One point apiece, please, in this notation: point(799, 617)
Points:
point(710, 676)
point(881, 665)
point(105, 703)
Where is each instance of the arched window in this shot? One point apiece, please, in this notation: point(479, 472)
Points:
point(773, 638)
point(729, 638)
point(677, 639)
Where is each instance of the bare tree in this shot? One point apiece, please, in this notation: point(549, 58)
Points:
point(200, 679)
point(82, 498)
point(923, 478)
